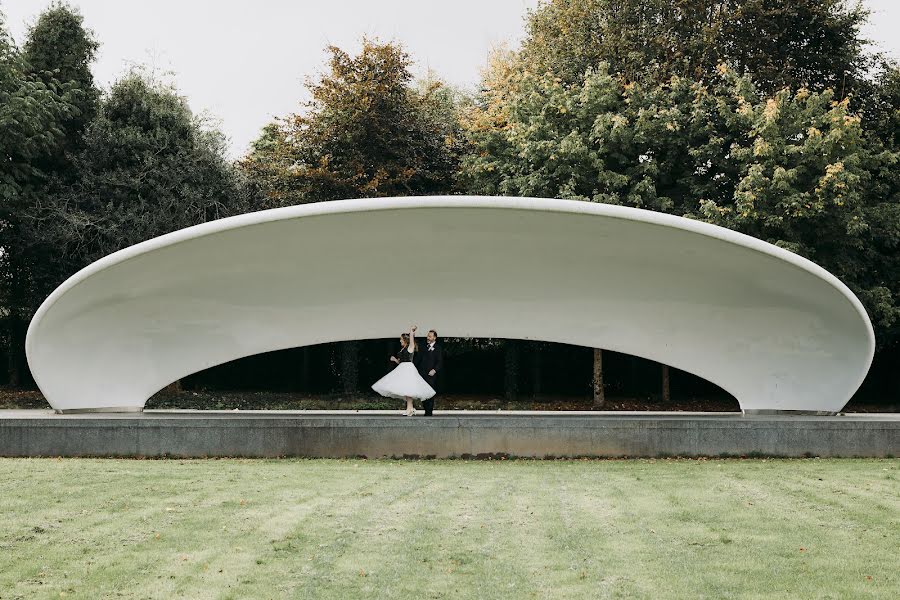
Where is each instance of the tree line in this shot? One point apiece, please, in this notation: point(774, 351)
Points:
point(769, 117)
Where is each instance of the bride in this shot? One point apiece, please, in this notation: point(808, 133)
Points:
point(404, 381)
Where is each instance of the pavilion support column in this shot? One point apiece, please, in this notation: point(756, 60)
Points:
point(599, 398)
point(350, 367)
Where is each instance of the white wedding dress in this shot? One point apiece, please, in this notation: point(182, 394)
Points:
point(404, 382)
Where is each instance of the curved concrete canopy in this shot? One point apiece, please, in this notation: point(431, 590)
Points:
point(773, 329)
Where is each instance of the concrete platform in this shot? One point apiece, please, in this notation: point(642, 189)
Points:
point(177, 433)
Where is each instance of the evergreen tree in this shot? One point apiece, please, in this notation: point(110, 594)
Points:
point(148, 167)
point(794, 43)
point(59, 48)
point(32, 117)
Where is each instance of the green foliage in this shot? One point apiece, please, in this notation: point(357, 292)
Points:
point(58, 52)
point(603, 140)
point(634, 37)
point(811, 43)
point(794, 43)
point(366, 132)
point(880, 107)
point(796, 169)
point(33, 113)
point(814, 183)
point(59, 48)
point(802, 171)
point(148, 167)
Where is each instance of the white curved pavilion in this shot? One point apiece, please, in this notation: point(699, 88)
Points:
point(775, 330)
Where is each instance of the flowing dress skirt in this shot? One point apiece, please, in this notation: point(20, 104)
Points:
point(404, 381)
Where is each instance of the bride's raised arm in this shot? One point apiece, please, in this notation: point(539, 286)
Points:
point(412, 339)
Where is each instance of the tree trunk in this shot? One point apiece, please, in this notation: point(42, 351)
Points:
point(350, 367)
point(511, 382)
point(597, 382)
point(633, 377)
point(536, 369)
point(666, 396)
point(304, 370)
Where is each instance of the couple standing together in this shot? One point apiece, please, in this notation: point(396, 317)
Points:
point(416, 375)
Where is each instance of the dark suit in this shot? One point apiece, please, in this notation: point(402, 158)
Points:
point(425, 362)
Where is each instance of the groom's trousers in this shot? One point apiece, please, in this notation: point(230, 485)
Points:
point(428, 405)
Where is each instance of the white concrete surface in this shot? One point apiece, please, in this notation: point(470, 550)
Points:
point(775, 330)
point(449, 434)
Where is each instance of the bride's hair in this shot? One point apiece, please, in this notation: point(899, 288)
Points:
point(405, 338)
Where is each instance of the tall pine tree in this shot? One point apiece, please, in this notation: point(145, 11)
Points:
point(34, 111)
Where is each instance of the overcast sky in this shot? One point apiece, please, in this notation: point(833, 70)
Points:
point(245, 62)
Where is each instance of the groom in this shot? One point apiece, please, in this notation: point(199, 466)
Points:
point(430, 364)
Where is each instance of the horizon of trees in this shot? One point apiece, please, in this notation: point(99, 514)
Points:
point(769, 117)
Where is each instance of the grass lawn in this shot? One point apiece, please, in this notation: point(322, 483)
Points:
point(811, 528)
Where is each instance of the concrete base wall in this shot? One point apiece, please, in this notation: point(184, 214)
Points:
point(271, 434)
